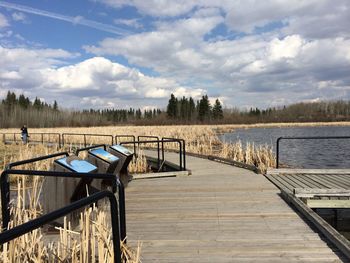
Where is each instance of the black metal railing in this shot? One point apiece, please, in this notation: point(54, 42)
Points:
point(29, 226)
point(136, 143)
point(36, 159)
point(303, 138)
point(85, 135)
point(126, 136)
point(158, 146)
point(5, 190)
point(13, 137)
point(89, 148)
point(35, 137)
point(182, 150)
point(161, 151)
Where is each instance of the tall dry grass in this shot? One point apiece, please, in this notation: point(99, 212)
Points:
point(90, 242)
point(200, 139)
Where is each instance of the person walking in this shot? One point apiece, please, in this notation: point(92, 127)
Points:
point(24, 134)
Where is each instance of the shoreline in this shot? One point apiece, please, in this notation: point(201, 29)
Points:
point(219, 128)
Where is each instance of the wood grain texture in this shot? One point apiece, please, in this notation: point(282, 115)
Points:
point(220, 213)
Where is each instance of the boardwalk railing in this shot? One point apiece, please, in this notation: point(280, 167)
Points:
point(5, 191)
point(65, 137)
point(5, 185)
point(35, 137)
point(22, 229)
point(161, 149)
point(303, 138)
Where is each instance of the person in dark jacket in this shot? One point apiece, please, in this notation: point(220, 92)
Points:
point(24, 134)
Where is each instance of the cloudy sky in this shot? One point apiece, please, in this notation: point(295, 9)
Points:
point(135, 53)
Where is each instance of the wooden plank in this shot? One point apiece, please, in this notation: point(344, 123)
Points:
point(299, 180)
point(219, 214)
point(323, 181)
point(339, 240)
point(312, 183)
point(159, 175)
point(333, 203)
point(337, 178)
point(307, 171)
point(320, 191)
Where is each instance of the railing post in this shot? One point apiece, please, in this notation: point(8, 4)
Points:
point(5, 199)
point(84, 140)
point(278, 151)
point(184, 153)
point(121, 197)
point(59, 140)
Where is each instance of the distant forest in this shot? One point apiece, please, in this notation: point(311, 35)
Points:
point(16, 111)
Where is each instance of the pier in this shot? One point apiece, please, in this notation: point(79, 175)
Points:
point(220, 213)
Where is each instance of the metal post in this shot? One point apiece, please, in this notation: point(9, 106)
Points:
point(278, 151)
point(59, 140)
point(5, 199)
point(121, 197)
point(184, 153)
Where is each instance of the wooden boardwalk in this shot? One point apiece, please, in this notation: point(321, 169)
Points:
point(220, 213)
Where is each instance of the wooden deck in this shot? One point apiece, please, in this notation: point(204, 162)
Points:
point(220, 213)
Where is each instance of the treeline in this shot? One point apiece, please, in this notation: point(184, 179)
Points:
point(186, 110)
point(16, 111)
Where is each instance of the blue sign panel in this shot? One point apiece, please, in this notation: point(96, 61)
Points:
point(104, 155)
point(121, 149)
point(77, 165)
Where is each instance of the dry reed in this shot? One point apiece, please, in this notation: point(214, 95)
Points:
point(91, 242)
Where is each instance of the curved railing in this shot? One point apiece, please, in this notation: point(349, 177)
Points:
point(22, 229)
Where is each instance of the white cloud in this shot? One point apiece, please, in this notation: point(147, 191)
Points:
point(3, 21)
point(95, 82)
point(155, 7)
point(19, 16)
point(288, 47)
point(135, 23)
point(285, 59)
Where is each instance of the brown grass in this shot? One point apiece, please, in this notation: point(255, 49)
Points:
point(200, 139)
point(90, 242)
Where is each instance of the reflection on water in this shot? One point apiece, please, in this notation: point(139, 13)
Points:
point(301, 153)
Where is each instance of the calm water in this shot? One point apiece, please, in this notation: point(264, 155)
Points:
point(301, 153)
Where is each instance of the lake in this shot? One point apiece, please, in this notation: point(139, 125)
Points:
point(325, 153)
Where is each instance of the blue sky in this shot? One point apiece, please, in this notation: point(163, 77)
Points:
point(135, 53)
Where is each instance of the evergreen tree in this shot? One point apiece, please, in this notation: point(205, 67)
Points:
point(218, 114)
point(172, 107)
point(55, 105)
point(191, 109)
point(37, 103)
point(204, 109)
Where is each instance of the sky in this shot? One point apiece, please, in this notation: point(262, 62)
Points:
point(135, 53)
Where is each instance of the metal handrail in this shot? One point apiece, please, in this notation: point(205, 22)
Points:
point(158, 145)
point(33, 160)
point(126, 136)
point(33, 133)
point(85, 135)
point(22, 229)
point(42, 137)
point(10, 133)
point(182, 149)
point(89, 148)
point(303, 138)
point(5, 190)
